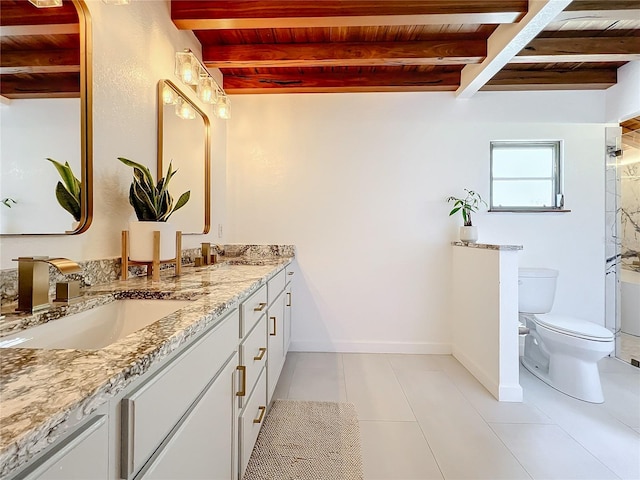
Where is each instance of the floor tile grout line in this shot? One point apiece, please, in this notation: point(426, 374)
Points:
point(561, 429)
point(577, 440)
point(435, 459)
point(482, 417)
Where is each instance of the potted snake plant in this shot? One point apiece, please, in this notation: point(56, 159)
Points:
point(153, 205)
point(68, 193)
point(470, 203)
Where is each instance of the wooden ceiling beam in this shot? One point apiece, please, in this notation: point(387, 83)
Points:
point(345, 54)
point(580, 49)
point(231, 14)
point(505, 43)
point(42, 86)
point(40, 61)
point(583, 79)
point(600, 10)
point(29, 30)
point(335, 82)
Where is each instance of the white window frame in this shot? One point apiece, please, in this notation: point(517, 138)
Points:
point(556, 179)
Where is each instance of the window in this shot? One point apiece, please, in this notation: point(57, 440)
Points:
point(526, 176)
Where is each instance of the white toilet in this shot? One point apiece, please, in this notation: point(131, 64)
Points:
point(560, 350)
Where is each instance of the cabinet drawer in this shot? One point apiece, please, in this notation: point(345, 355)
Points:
point(151, 411)
point(252, 309)
point(251, 420)
point(276, 285)
point(253, 355)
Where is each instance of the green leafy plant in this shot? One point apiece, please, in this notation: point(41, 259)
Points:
point(466, 205)
point(68, 194)
point(152, 202)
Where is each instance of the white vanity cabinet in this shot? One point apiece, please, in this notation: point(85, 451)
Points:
point(195, 415)
point(278, 327)
point(277, 354)
point(82, 455)
point(288, 291)
point(252, 400)
point(190, 404)
point(202, 444)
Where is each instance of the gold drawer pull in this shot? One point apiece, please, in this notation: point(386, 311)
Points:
point(260, 307)
point(274, 327)
point(243, 389)
point(261, 409)
point(262, 351)
point(289, 302)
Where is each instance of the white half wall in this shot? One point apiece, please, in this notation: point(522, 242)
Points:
point(484, 318)
point(358, 183)
point(133, 48)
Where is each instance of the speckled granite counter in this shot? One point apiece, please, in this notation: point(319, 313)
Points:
point(42, 391)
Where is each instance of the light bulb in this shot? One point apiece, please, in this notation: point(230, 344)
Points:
point(168, 96)
point(222, 109)
point(184, 110)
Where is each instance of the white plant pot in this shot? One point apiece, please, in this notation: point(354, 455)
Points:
point(141, 241)
point(469, 234)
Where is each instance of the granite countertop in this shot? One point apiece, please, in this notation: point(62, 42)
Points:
point(42, 392)
point(487, 246)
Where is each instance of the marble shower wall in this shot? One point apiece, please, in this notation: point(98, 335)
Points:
point(629, 167)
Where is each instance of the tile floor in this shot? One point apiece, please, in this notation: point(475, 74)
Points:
point(425, 417)
point(628, 347)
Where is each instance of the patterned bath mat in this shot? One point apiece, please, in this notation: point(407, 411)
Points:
point(307, 441)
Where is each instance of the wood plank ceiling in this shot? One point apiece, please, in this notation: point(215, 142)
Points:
point(294, 46)
point(39, 50)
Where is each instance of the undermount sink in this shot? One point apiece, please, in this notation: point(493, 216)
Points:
point(95, 328)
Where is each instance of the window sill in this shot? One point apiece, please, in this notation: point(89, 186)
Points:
point(529, 210)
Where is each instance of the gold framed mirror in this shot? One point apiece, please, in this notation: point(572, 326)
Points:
point(184, 138)
point(46, 112)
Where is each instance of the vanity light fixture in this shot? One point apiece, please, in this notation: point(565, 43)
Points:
point(191, 71)
point(187, 68)
point(222, 109)
point(207, 91)
point(46, 3)
point(184, 110)
point(169, 97)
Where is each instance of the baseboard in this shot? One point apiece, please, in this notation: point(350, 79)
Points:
point(372, 347)
point(502, 392)
point(510, 393)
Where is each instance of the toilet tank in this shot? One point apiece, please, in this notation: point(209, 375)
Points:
point(536, 289)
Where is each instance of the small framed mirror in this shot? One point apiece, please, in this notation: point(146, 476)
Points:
point(184, 139)
point(45, 110)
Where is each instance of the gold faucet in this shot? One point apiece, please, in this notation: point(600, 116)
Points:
point(33, 280)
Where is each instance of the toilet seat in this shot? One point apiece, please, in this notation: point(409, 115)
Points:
point(575, 327)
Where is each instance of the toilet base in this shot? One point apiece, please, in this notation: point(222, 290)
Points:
point(591, 392)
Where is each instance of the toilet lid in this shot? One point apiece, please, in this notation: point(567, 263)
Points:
point(575, 326)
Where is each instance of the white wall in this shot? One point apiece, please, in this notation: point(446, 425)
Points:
point(623, 99)
point(133, 48)
point(26, 176)
point(358, 182)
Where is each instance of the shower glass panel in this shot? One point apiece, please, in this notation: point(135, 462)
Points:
point(628, 230)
